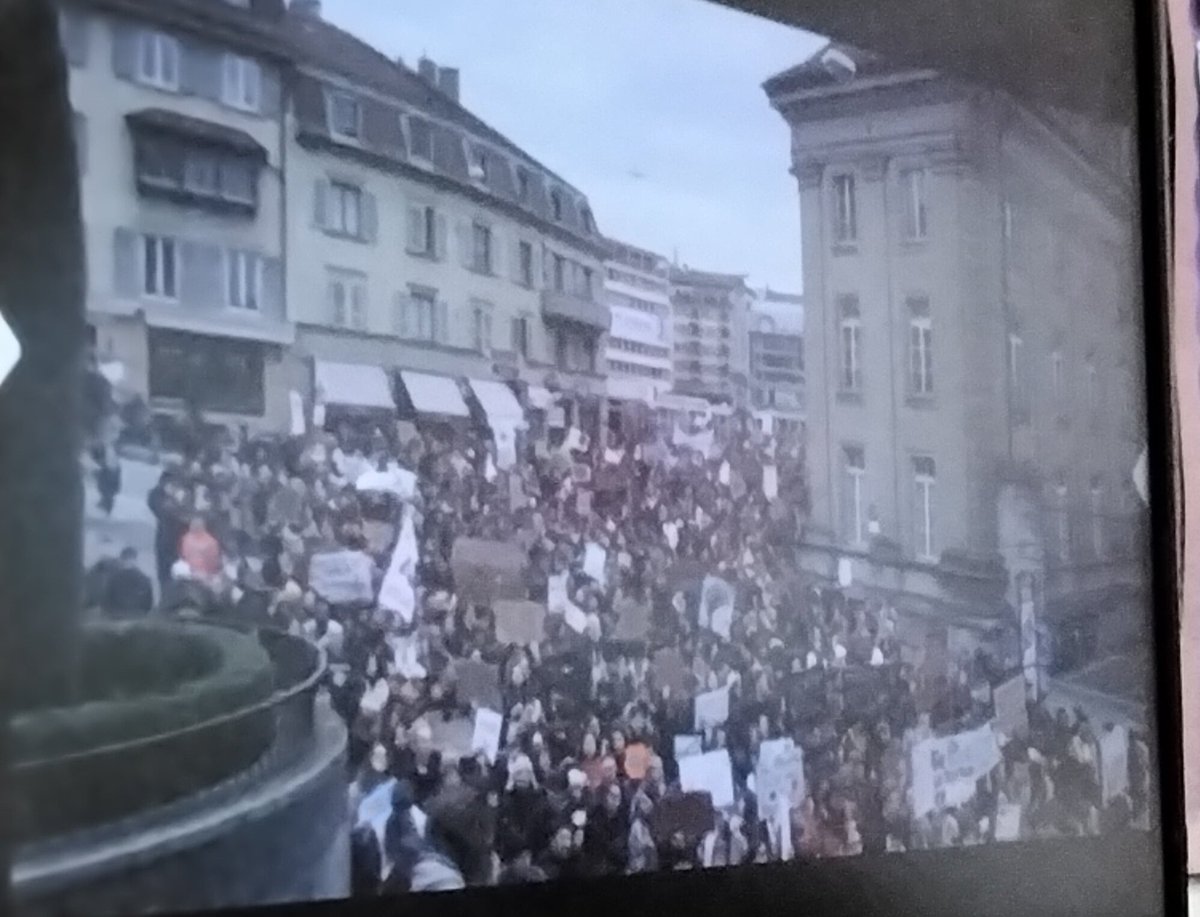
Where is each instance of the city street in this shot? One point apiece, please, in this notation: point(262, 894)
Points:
point(131, 523)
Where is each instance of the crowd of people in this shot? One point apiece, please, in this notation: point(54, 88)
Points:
point(587, 780)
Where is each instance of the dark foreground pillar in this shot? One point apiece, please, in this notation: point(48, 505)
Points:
point(41, 296)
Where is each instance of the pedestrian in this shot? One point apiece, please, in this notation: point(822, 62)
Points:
point(128, 592)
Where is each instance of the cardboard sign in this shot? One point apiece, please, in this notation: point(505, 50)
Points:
point(633, 620)
point(779, 774)
point(670, 671)
point(487, 571)
point(1114, 763)
point(770, 482)
point(710, 773)
point(452, 738)
point(845, 572)
point(689, 814)
point(519, 622)
point(486, 738)
point(296, 404)
point(342, 577)
point(557, 594)
point(478, 683)
point(712, 709)
point(1008, 820)
point(945, 770)
point(595, 560)
point(716, 596)
point(688, 745)
point(1012, 718)
point(637, 760)
point(575, 618)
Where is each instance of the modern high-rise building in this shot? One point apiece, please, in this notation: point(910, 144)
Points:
point(972, 353)
point(637, 289)
point(420, 239)
point(776, 356)
point(178, 117)
point(711, 312)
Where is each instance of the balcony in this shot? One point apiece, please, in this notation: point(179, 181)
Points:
point(567, 307)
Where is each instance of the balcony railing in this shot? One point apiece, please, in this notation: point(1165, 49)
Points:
point(562, 306)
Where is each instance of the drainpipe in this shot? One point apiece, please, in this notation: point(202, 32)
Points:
point(893, 320)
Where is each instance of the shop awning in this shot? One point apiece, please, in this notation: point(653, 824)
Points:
point(353, 385)
point(498, 403)
point(431, 394)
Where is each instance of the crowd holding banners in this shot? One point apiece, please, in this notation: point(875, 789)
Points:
point(550, 688)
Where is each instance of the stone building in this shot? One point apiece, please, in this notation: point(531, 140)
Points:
point(710, 335)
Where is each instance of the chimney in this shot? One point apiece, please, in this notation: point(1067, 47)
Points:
point(309, 9)
point(447, 82)
point(427, 70)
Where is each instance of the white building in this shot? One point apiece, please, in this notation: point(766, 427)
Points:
point(638, 357)
point(776, 357)
point(177, 112)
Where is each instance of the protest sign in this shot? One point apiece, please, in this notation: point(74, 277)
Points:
point(478, 683)
point(710, 773)
point(557, 595)
point(779, 775)
point(633, 620)
point(374, 700)
point(486, 737)
point(404, 656)
point(506, 445)
point(519, 622)
point(342, 577)
point(689, 814)
point(1012, 719)
point(637, 760)
point(583, 503)
point(845, 572)
point(296, 404)
point(575, 618)
point(375, 808)
point(712, 709)
point(945, 770)
point(670, 671)
point(394, 479)
point(595, 559)
point(1008, 820)
point(1114, 762)
point(452, 737)
point(721, 621)
point(715, 595)
point(723, 473)
point(487, 571)
point(687, 745)
point(770, 482)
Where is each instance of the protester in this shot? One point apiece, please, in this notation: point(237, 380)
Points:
point(128, 592)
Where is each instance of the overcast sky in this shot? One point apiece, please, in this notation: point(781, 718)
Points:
point(653, 108)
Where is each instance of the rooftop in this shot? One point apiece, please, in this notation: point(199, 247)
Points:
point(687, 277)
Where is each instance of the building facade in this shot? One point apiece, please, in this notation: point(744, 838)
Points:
point(711, 314)
point(179, 135)
point(637, 289)
point(419, 238)
point(776, 356)
point(971, 347)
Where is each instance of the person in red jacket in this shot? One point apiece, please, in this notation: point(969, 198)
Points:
point(201, 551)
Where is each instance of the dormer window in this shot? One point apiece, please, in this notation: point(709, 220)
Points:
point(522, 184)
point(345, 116)
point(556, 206)
point(589, 224)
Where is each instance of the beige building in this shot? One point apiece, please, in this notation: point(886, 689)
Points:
point(421, 239)
point(177, 111)
point(638, 355)
point(711, 313)
point(972, 347)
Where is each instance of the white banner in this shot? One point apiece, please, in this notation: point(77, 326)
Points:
point(486, 738)
point(712, 709)
point(688, 745)
point(396, 591)
point(296, 403)
point(595, 558)
point(1114, 762)
point(342, 577)
point(709, 773)
point(779, 775)
point(945, 770)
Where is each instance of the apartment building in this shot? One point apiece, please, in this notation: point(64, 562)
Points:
point(638, 360)
point(178, 123)
point(422, 240)
point(776, 356)
point(711, 312)
point(972, 342)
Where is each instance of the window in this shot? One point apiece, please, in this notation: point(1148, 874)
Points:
point(1019, 392)
point(915, 217)
point(346, 120)
point(158, 60)
point(1096, 500)
point(522, 184)
point(589, 222)
point(419, 319)
point(422, 231)
point(216, 374)
point(562, 349)
point(920, 347)
point(1062, 521)
point(203, 176)
point(345, 209)
point(585, 283)
point(924, 475)
point(481, 248)
point(845, 214)
point(556, 205)
point(520, 336)
point(242, 83)
point(348, 300)
point(420, 138)
point(854, 470)
point(525, 253)
point(244, 280)
point(160, 267)
point(200, 174)
point(481, 316)
point(560, 274)
point(481, 165)
point(589, 354)
point(851, 345)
